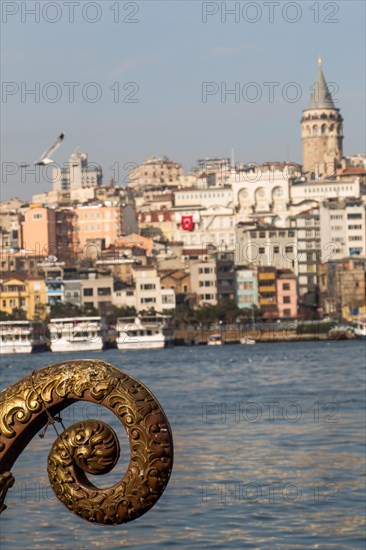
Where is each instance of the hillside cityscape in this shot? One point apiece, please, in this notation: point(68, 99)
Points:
point(226, 242)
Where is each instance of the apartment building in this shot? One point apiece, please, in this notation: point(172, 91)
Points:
point(149, 292)
point(266, 245)
point(267, 291)
point(78, 173)
point(342, 229)
point(25, 292)
point(155, 171)
point(246, 287)
point(342, 285)
point(39, 230)
point(286, 294)
point(204, 281)
point(307, 226)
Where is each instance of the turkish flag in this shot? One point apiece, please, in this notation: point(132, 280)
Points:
point(187, 223)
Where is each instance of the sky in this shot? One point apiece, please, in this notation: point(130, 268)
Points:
point(127, 79)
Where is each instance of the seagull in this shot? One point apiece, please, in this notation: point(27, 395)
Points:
point(45, 157)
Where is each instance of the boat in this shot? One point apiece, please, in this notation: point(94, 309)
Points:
point(78, 334)
point(215, 340)
point(144, 332)
point(247, 340)
point(21, 337)
point(360, 329)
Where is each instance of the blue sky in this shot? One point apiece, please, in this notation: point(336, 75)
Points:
point(168, 53)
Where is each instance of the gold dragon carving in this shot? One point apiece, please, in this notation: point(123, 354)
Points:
point(89, 446)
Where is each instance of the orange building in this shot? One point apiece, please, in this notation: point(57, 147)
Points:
point(39, 230)
point(96, 223)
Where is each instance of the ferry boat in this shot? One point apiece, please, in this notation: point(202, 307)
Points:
point(360, 329)
point(215, 340)
point(78, 334)
point(21, 337)
point(144, 332)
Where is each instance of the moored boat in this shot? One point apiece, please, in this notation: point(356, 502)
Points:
point(144, 332)
point(21, 337)
point(360, 329)
point(215, 340)
point(247, 341)
point(78, 334)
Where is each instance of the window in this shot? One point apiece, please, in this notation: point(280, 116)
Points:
point(129, 293)
point(355, 238)
point(104, 291)
point(262, 250)
point(148, 286)
point(276, 249)
point(37, 216)
point(354, 216)
point(4, 303)
point(291, 233)
point(287, 312)
point(262, 234)
point(285, 286)
point(88, 292)
point(286, 300)
point(289, 248)
point(356, 226)
point(246, 299)
point(148, 300)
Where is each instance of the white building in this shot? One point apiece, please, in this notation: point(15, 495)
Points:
point(205, 197)
point(266, 246)
point(307, 225)
point(204, 281)
point(78, 173)
point(213, 225)
point(342, 229)
point(148, 291)
point(262, 191)
point(305, 194)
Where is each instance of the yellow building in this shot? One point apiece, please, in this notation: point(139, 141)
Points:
point(25, 292)
point(267, 291)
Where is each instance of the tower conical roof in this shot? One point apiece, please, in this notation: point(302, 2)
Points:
point(321, 98)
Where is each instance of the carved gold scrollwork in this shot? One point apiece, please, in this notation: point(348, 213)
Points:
point(90, 446)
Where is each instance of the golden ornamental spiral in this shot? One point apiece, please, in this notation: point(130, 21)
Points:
point(89, 446)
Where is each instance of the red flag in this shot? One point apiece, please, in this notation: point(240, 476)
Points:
point(187, 223)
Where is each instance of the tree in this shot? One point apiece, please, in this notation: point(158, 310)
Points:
point(16, 315)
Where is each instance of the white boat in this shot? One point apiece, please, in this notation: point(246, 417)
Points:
point(144, 332)
point(247, 340)
point(21, 336)
point(360, 329)
point(78, 334)
point(215, 340)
